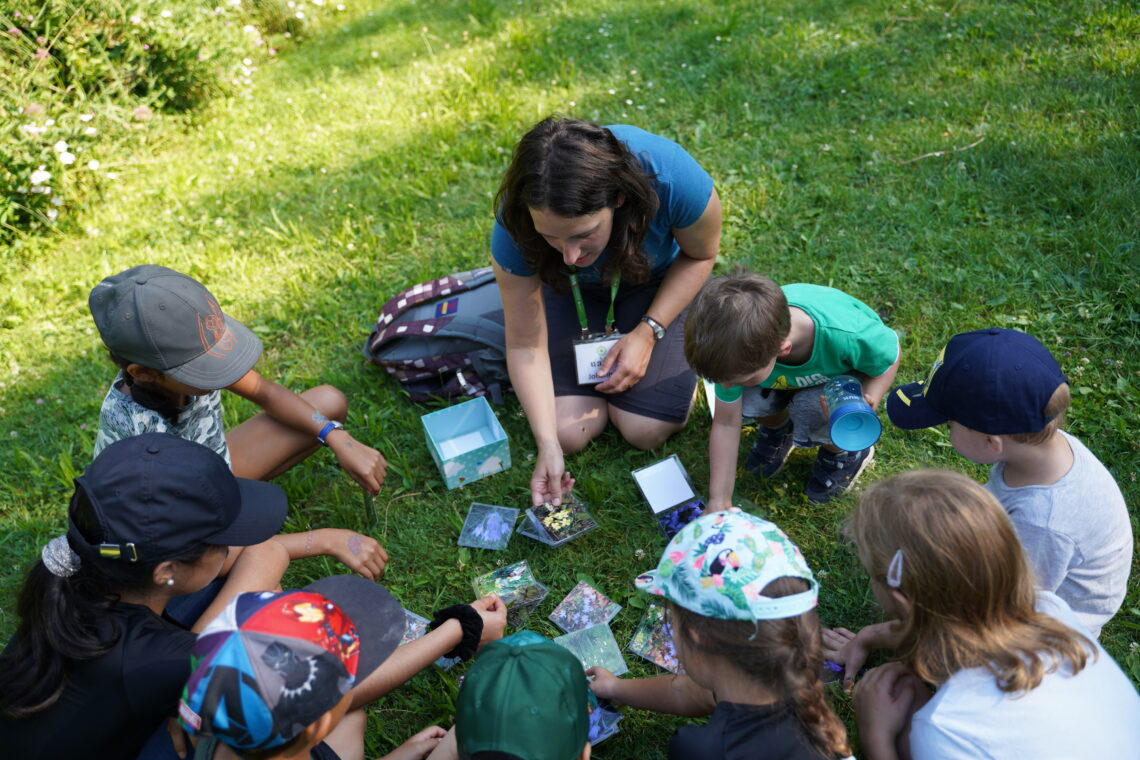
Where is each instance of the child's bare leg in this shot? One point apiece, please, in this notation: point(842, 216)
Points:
point(347, 739)
point(262, 448)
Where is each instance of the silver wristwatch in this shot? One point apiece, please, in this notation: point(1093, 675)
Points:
point(657, 327)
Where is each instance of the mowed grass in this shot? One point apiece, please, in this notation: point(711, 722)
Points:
point(955, 165)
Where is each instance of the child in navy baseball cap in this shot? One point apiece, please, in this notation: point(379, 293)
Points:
point(1003, 397)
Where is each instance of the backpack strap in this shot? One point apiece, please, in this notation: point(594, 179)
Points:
point(448, 285)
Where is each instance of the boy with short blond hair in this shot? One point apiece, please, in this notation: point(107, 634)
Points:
point(1004, 396)
point(769, 350)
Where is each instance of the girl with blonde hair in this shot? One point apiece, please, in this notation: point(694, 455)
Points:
point(1015, 673)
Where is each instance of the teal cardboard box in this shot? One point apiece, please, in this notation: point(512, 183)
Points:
point(467, 442)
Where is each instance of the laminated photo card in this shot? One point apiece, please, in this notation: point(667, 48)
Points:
point(488, 526)
point(672, 499)
point(583, 607)
point(516, 586)
point(554, 526)
point(653, 640)
point(416, 626)
point(595, 645)
point(603, 719)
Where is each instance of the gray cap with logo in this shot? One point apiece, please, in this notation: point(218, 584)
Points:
point(167, 321)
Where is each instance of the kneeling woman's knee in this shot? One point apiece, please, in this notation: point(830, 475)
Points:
point(648, 434)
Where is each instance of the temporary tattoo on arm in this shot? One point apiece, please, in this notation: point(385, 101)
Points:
point(355, 544)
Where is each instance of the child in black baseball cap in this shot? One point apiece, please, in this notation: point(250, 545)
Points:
point(176, 350)
point(95, 666)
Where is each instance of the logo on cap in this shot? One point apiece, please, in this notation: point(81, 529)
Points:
point(213, 333)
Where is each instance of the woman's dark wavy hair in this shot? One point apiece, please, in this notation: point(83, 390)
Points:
point(785, 656)
point(60, 618)
point(147, 395)
point(573, 168)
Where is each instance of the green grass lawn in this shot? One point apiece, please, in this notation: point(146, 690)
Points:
point(955, 164)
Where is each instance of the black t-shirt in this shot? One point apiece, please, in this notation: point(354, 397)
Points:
point(744, 732)
point(111, 705)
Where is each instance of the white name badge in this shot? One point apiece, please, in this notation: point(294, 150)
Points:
point(589, 353)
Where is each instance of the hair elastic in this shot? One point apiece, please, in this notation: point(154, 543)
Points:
point(895, 570)
point(59, 558)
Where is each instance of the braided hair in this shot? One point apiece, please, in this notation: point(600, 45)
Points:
point(784, 655)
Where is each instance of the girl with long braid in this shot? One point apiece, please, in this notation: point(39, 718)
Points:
point(742, 602)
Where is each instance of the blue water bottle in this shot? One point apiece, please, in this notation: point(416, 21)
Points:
point(854, 424)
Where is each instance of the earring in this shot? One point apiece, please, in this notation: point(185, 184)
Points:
point(169, 581)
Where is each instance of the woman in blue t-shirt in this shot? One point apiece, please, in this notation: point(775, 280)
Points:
point(616, 205)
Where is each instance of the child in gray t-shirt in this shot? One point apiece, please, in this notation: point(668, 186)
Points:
point(1004, 396)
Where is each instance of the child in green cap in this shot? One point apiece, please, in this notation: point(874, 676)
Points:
point(741, 602)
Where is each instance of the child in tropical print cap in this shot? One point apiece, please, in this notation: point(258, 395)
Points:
point(741, 600)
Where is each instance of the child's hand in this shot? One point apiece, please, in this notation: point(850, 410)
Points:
point(885, 700)
point(605, 683)
point(494, 614)
point(418, 746)
point(363, 463)
point(358, 553)
point(834, 640)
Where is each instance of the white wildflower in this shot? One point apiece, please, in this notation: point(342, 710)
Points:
point(166, 14)
point(93, 164)
point(66, 158)
point(60, 147)
point(39, 176)
point(86, 116)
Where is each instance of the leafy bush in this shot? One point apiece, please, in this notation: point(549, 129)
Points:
point(80, 79)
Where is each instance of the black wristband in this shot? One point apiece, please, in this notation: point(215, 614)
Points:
point(472, 624)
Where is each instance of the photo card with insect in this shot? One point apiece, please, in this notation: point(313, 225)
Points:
point(595, 645)
point(583, 607)
point(516, 586)
point(488, 526)
point(563, 523)
point(653, 640)
point(668, 489)
point(416, 626)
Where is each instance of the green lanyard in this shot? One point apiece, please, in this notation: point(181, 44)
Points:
point(581, 306)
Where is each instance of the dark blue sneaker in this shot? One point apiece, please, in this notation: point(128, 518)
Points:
point(770, 451)
point(833, 473)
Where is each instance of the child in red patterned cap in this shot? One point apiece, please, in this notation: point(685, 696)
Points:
point(285, 676)
point(742, 602)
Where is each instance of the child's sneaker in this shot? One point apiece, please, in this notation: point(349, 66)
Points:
point(833, 473)
point(770, 451)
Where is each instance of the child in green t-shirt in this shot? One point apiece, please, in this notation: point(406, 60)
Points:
point(763, 345)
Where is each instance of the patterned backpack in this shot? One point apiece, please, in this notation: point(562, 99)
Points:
point(444, 338)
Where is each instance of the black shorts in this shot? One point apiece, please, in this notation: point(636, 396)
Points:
point(666, 391)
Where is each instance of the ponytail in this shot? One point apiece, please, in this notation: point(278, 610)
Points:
point(64, 613)
point(785, 656)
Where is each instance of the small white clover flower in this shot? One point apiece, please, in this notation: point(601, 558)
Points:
point(39, 176)
point(66, 158)
point(136, 20)
point(86, 116)
point(90, 131)
point(93, 164)
point(166, 14)
point(60, 147)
